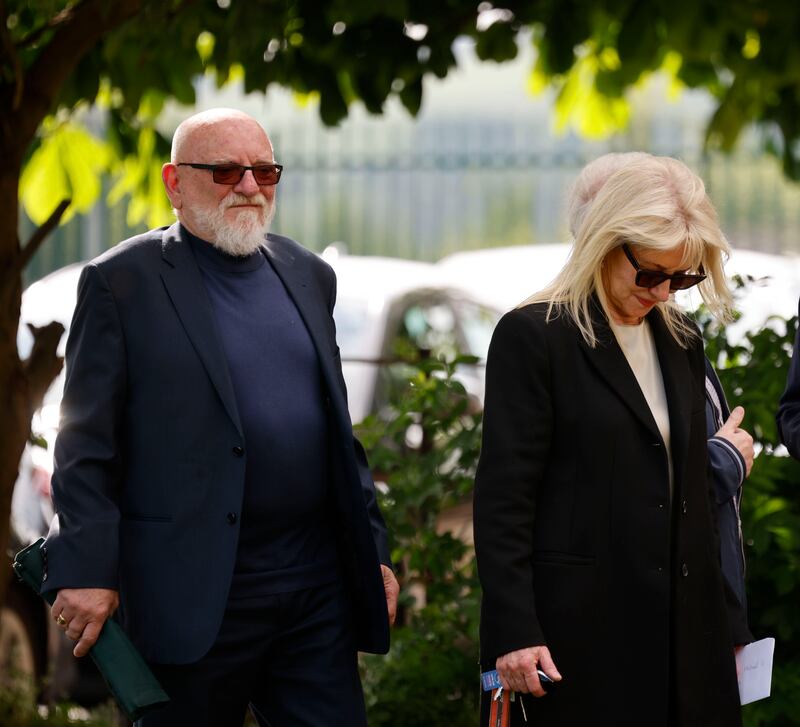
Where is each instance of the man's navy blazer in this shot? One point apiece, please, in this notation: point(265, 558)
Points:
point(150, 458)
point(788, 418)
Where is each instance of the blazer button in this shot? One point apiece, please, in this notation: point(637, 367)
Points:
point(238, 451)
point(231, 518)
point(683, 506)
point(685, 570)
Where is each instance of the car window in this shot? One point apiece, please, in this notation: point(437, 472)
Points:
point(351, 329)
point(477, 325)
point(431, 326)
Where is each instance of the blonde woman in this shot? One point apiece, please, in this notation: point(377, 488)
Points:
point(593, 526)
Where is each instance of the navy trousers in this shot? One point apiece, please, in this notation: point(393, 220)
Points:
point(289, 657)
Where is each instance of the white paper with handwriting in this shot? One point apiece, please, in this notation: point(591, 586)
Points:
point(754, 664)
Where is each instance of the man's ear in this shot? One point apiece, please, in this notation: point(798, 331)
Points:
point(171, 179)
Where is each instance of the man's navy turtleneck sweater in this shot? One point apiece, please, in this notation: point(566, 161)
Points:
point(286, 539)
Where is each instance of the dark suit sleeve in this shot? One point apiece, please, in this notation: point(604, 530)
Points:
point(789, 408)
point(727, 468)
point(727, 464)
point(377, 523)
point(736, 610)
point(82, 548)
point(517, 428)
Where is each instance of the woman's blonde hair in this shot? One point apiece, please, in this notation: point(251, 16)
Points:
point(656, 203)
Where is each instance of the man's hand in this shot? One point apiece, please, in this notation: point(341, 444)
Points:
point(517, 670)
point(81, 612)
point(739, 438)
point(392, 589)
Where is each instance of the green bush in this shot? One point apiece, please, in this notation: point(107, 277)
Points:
point(18, 708)
point(753, 372)
point(424, 450)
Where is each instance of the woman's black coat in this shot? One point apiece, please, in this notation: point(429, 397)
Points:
point(580, 545)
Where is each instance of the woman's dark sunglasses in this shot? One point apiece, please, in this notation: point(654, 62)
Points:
point(654, 278)
point(267, 174)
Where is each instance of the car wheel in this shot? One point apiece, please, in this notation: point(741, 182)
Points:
point(21, 644)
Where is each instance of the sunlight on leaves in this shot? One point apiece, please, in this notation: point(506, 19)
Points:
point(205, 46)
point(671, 67)
point(69, 163)
point(579, 105)
point(151, 105)
point(752, 45)
point(304, 100)
point(139, 178)
point(236, 73)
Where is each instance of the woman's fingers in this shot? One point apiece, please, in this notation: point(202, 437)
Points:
point(517, 670)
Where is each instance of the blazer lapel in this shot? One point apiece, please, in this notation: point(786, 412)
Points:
point(312, 307)
point(677, 376)
point(184, 284)
point(610, 362)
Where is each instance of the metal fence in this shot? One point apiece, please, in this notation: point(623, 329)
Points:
point(428, 189)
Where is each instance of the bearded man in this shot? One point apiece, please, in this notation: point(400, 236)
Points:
point(207, 482)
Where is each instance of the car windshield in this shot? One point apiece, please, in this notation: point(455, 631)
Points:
point(352, 327)
point(477, 324)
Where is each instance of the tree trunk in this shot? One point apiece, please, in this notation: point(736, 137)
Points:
point(14, 400)
point(23, 105)
point(23, 384)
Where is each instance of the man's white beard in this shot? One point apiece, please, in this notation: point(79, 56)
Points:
point(246, 234)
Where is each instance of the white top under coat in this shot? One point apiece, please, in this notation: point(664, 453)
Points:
point(639, 348)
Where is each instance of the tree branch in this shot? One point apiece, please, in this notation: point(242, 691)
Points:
point(11, 53)
point(38, 237)
point(74, 36)
point(43, 365)
point(54, 22)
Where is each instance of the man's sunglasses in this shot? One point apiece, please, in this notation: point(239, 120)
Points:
point(654, 278)
point(267, 174)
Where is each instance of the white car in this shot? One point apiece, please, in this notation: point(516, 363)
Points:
point(381, 300)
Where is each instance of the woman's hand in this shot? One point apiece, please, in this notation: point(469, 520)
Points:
point(738, 437)
point(517, 670)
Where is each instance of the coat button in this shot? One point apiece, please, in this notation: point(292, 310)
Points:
point(683, 506)
point(231, 518)
point(238, 451)
point(685, 569)
point(660, 505)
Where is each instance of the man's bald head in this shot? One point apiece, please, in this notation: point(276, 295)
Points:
point(198, 128)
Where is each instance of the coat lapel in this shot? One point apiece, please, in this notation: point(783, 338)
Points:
point(677, 376)
point(610, 362)
point(313, 309)
point(184, 284)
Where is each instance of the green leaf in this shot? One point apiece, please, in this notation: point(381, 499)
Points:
point(68, 164)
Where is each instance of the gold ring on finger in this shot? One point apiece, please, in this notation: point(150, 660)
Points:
point(60, 620)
